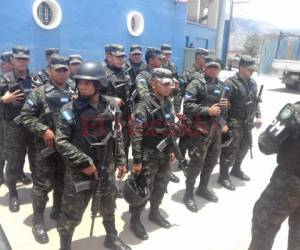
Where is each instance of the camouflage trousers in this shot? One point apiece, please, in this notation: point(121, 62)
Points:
point(156, 169)
point(47, 175)
point(280, 199)
point(234, 154)
point(2, 159)
point(18, 142)
point(74, 204)
point(204, 154)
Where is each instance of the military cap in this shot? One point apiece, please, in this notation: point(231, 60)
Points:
point(51, 51)
point(153, 52)
point(58, 62)
point(248, 61)
point(20, 52)
point(135, 49)
point(116, 50)
point(166, 48)
point(6, 56)
point(201, 52)
point(212, 61)
point(164, 76)
point(75, 59)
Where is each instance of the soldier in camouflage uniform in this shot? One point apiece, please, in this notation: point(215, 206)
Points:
point(91, 118)
point(43, 76)
point(242, 98)
point(74, 62)
point(122, 89)
point(6, 66)
point(196, 71)
point(203, 106)
point(18, 140)
point(39, 115)
point(148, 131)
point(135, 64)
point(281, 198)
point(153, 57)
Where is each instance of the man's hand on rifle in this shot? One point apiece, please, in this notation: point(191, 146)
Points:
point(122, 170)
point(225, 129)
point(49, 138)
point(136, 168)
point(15, 96)
point(258, 123)
point(89, 170)
point(224, 103)
point(214, 110)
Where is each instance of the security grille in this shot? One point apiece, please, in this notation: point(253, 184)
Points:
point(44, 13)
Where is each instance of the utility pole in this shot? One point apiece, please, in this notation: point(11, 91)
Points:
point(227, 30)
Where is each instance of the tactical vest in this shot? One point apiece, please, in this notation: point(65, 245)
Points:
point(242, 103)
point(94, 127)
point(12, 110)
point(210, 96)
point(123, 88)
point(133, 69)
point(155, 129)
point(53, 100)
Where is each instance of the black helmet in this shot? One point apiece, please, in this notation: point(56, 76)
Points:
point(226, 139)
point(134, 193)
point(93, 71)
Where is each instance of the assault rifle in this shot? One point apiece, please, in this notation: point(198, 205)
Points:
point(251, 108)
point(95, 184)
point(170, 139)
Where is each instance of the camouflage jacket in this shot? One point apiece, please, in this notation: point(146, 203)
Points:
point(188, 74)
point(143, 82)
point(134, 68)
point(148, 127)
point(36, 115)
point(71, 140)
point(200, 95)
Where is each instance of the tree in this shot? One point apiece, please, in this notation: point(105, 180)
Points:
point(252, 45)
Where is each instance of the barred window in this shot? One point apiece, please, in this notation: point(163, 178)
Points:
point(47, 14)
point(44, 13)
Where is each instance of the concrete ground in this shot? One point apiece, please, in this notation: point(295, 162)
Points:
point(225, 225)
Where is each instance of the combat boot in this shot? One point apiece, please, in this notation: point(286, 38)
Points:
point(112, 241)
point(137, 227)
point(238, 173)
point(157, 218)
point(14, 204)
point(206, 194)
point(224, 179)
point(188, 199)
point(173, 178)
point(65, 241)
point(38, 227)
point(226, 183)
point(24, 179)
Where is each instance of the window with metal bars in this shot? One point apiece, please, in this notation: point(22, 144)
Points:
point(44, 13)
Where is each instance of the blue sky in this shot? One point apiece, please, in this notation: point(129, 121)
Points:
point(284, 14)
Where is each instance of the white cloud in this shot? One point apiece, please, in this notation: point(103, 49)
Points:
point(284, 14)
